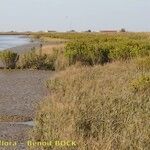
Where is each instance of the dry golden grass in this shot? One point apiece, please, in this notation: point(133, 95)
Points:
point(143, 64)
point(48, 49)
point(57, 51)
point(98, 108)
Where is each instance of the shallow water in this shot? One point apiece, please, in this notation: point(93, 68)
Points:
point(9, 41)
point(29, 123)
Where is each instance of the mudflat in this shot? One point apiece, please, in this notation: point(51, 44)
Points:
point(20, 93)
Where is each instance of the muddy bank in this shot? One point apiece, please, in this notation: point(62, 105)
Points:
point(21, 90)
point(20, 93)
point(15, 133)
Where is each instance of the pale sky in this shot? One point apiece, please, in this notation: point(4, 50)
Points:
point(62, 15)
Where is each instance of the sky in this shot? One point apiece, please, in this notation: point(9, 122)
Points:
point(80, 15)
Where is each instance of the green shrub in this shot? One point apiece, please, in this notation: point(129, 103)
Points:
point(141, 84)
point(105, 48)
point(35, 61)
point(121, 52)
point(87, 52)
point(8, 59)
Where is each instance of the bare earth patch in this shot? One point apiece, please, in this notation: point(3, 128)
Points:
point(20, 92)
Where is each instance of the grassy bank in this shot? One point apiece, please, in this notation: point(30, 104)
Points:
point(103, 107)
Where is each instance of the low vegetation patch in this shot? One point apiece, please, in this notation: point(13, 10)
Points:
point(142, 84)
point(103, 50)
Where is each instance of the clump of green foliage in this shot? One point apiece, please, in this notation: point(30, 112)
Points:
point(36, 61)
point(101, 49)
point(141, 84)
point(8, 59)
point(87, 52)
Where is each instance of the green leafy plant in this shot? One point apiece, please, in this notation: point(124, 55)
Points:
point(87, 52)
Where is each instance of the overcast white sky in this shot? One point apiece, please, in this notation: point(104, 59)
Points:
point(61, 15)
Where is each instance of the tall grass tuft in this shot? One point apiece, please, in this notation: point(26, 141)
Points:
point(143, 63)
point(9, 59)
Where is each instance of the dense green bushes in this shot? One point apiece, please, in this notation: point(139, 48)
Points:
point(106, 49)
point(87, 52)
point(8, 59)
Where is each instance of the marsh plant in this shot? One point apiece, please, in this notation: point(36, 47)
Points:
point(9, 59)
point(35, 61)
